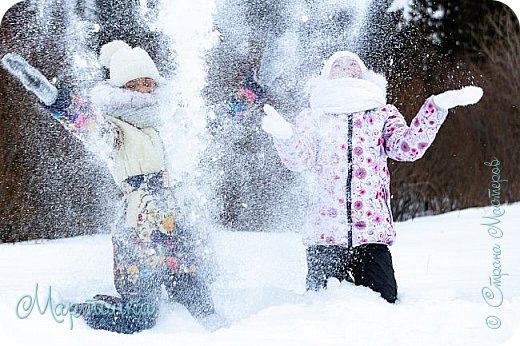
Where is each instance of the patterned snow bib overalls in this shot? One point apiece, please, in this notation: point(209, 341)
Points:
point(151, 246)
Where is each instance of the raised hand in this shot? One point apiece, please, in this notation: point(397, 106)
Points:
point(31, 78)
point(454, 98)
point(274, 124)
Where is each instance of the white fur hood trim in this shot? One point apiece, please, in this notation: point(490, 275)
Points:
point(106, 96)
point(138, 109)
point(377, 79)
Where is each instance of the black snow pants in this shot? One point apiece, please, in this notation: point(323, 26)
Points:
point(368, 265)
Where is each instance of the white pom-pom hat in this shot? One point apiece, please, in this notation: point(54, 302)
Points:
point(126, 63)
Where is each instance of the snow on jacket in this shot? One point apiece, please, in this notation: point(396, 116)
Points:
point(120, 129)
point(138, 148)
point(347, 156)
point(148, 237)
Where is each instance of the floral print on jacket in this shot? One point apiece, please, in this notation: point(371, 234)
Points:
point(150, 243)
point(347, 157)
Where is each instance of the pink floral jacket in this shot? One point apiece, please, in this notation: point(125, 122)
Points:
point(347, 156)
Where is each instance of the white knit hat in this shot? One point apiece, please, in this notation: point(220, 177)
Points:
point(366, 74)
point(126, 63)
point(330, 61)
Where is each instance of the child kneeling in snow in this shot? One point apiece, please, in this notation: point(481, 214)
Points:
point(345, 139)
point(152, 246)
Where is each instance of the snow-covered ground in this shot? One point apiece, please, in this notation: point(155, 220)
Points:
point(442, 264)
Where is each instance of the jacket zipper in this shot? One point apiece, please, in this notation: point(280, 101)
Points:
point(348, 191)
point(387, 204)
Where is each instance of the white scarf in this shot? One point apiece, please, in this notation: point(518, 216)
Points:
point(138, 109)
point(347, 95)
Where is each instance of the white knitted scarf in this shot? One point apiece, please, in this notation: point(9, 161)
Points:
point(138, 109)
point(347, 95)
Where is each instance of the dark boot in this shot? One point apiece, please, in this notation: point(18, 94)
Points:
point(125, 315)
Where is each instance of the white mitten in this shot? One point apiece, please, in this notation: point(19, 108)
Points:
point(31, 78)
point(275, 124)
point(463, 97)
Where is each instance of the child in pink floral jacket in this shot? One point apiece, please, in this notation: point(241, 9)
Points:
point(345, 139)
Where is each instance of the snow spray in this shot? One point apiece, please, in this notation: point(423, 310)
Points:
point(6, 5)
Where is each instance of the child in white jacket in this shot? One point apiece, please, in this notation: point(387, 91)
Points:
point(345, 139)
point(152, 244)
